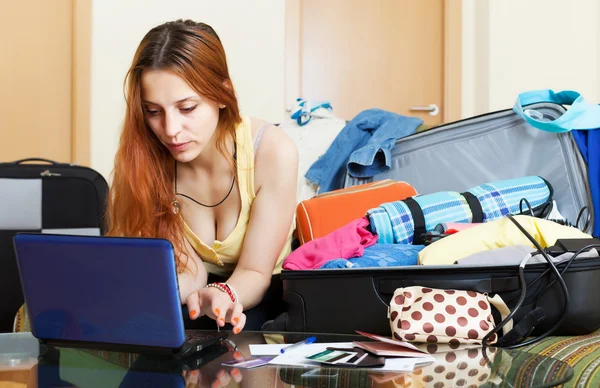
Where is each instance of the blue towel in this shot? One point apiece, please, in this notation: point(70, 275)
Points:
point(393, 222)
point(380, 255)
point(363, 147)
point(588, 142)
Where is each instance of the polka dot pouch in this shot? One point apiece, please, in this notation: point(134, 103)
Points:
point(462, 367)
point(421, 314)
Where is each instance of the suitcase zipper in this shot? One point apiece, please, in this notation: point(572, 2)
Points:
point(378, 184)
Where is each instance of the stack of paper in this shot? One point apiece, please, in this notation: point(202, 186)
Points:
point(315, 354)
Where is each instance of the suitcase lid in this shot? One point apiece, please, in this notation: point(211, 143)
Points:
point(492, 147)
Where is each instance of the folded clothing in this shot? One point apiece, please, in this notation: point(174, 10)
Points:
point(496, 234)
point(404, 222)
point(380, 255)
point(346, 242)
point(510, 255)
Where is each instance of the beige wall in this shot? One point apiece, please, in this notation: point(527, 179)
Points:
point(511, 46)
point(252, 33)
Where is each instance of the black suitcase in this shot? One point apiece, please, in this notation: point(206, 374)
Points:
point(456, 157)
point(42, 196)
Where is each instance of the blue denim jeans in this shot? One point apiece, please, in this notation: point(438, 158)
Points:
point(362, 148)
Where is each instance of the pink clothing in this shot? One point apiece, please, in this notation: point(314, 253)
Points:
point(346, 242)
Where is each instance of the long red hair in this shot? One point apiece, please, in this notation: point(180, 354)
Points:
point(140, 202)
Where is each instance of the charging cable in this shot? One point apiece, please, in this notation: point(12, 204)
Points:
point(523, 287)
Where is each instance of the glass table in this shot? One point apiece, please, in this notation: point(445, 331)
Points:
point(24, 363)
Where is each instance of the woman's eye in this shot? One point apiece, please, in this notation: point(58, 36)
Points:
point(188, 109)
point(152, 112)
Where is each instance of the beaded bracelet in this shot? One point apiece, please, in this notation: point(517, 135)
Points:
point(235, 295)
point(226, 288)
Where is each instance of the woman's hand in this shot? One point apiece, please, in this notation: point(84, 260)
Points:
point(218, 306)
point(209, 376)
point(199, 378)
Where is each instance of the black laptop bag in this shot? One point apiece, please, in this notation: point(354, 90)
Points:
point(43, 196)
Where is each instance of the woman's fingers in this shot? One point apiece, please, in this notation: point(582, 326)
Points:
point(224, 378)
point(238, 356)
point(219, 310)
point(193, 304)
point(222, 309)
point(191, 378)
point(241, 322)
point(215, 305)
point(236, 375)
point(236, 314)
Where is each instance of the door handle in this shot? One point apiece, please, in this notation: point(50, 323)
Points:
point(433, 109)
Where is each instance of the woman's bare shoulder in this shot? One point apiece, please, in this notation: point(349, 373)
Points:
point(276, 149)
point(257, 124)
point(273, 137)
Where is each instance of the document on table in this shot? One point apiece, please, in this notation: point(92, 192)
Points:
point(297, 357)
point(267, 349)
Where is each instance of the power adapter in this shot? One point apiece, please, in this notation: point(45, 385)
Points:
point(575, 244)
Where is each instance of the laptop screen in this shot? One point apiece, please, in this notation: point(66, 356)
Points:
point(112, 290)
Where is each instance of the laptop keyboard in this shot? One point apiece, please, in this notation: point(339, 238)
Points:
point(197, 341)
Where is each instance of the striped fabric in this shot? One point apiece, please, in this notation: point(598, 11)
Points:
point(501, 198)
point(379, 219)
point(400, 220)
point(22, 323)
point(533, 370)
point(444, 206)
point(393, 221)
point(580, 352)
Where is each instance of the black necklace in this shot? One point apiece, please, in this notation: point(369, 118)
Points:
point(176, 206)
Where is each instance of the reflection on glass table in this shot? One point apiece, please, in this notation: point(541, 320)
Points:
point(453, 367)
point(459, 367)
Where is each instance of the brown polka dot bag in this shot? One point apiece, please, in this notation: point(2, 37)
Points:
point(462, 367)
point(421, 314)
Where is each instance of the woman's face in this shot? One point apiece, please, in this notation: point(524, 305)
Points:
point(181, 119)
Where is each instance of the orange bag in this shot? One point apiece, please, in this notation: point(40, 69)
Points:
point(324, 213)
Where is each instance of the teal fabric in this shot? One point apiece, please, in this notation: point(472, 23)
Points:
point(580, 115)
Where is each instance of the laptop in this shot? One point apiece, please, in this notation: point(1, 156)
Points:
point(112, 293)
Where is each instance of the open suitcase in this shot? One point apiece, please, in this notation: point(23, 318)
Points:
point(43, 196)
point(457, 156)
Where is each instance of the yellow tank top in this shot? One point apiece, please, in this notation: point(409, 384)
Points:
point(221, 257)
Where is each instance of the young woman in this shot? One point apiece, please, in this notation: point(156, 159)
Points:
point(190, 168)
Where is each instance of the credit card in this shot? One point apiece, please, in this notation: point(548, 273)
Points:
point(331, 356)
point(248, 364)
